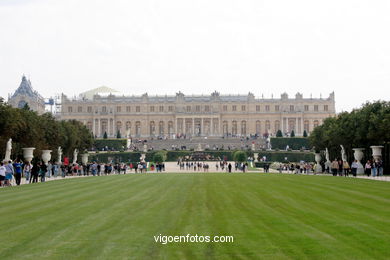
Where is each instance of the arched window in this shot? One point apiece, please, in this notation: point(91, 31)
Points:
point(291, 125)
point(243, 127)
point(161, 128)
point(104, 127)
point(277, 125)
point(316, 123)
point(267, 126)
point(152, 128)
point(138, 128)
point(306, 126)
point(170, 127)
point(258, 127)
point(89, 126)
point(119, 126)
point(234, 127)
point(225, 127)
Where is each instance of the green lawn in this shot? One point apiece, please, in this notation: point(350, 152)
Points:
point(269, 216)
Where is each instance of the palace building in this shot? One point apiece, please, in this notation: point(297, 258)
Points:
point(105, 111)
point(26, 95)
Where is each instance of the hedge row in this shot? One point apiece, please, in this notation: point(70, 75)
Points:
point(295, 143)
point(287, 156)
point(273, 156)
point(117, 144)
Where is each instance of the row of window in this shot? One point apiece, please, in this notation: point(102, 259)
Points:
point(198, 108)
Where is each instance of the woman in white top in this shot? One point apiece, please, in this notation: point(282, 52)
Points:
point(2, 173)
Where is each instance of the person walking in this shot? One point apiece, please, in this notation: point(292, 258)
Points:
point(34, 173)
point(229, 167)
point(354, 167)
point(42, 171)
point(27, 171)
point(2, 174)
point(367, 168)
point(18, 168)
point(334, 167)
point(9, 171)
point(346, 168)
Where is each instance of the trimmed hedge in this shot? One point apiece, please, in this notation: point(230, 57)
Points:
point(295, 143)
point(272, 156)
point(117, 144)
point(291, 156)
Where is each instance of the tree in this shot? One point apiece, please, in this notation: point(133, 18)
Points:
point(26, 107)
point(292, 133)
point(160, 157)
point(118, 134)
point(279, 133)
point(105, 135)
point(304, 133)
point(240, 156)
point(359, 128)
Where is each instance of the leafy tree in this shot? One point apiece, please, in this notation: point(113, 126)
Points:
point(279, 133)
point(160, 157)
point(118, 134)
point(304, 133)
point(362, 127)
point(292, 133)
point(105, 135)
point(26, 107)
point(240, 156)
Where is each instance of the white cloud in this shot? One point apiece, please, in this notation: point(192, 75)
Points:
point(199, 46)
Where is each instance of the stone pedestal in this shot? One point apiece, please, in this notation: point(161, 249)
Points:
point(84, 158)
point(317, 157)
point(376, 152)
point(28, 154)
point(256, 157)
point(46, 156)
point(358, 155)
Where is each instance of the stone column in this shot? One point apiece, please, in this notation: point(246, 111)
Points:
point(193, 126)
point(99, 128)
point(202, 127)
point(296, 126)
point(282, 124)
point(174, 127)
point(301, 124)
point(93, 127)
point(212, 127)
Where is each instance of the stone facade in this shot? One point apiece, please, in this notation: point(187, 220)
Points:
point(26, 95)
point(197, 115)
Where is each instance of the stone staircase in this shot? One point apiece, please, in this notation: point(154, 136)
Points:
point(212, 143)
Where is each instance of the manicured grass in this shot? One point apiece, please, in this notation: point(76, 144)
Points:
point(269, 216)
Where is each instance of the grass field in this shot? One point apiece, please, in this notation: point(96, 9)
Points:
point(269, 216)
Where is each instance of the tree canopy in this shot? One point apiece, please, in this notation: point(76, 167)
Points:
point(28, 129)
point(361, 128)
point(240, 156)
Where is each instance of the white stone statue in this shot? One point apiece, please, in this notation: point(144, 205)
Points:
point(75, 153)
point(145, 148)
point(253, 147)
point(343, 154)
point(327, 155)
point(128, 133)
point(128, 143)
point(8, 150)
point(59, 151)
point(328, 163)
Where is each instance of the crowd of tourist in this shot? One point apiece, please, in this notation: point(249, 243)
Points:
point(40, 172)
point(205, 166)
point(342, 168)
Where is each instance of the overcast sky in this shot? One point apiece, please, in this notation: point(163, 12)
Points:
point(162, 47)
